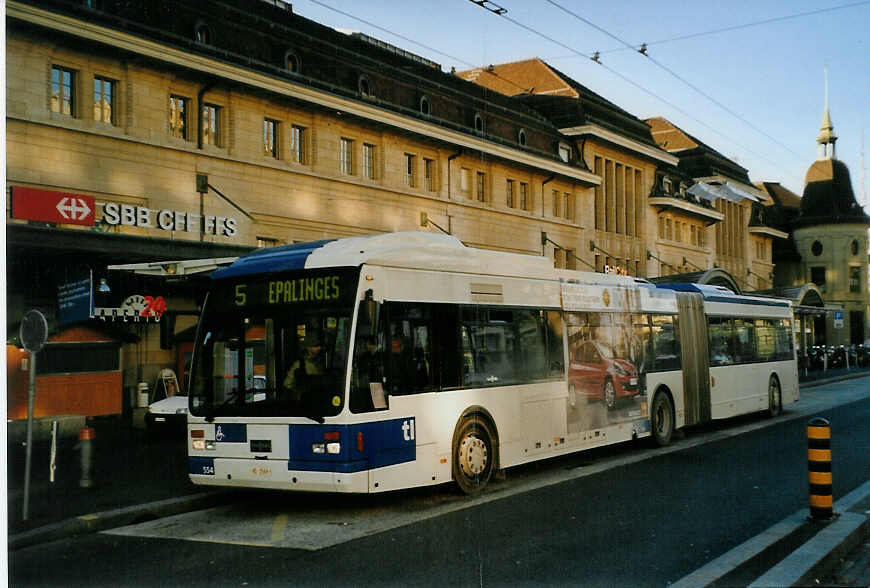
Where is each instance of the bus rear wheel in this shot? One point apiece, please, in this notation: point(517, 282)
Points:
point(662, 418)
point(774, 397)
point(473, 455)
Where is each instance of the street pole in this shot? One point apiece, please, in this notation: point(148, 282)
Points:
point(31, 394)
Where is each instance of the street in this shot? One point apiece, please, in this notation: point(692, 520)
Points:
point(625, 515)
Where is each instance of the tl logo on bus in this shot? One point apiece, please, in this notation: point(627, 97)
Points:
point(408, 430)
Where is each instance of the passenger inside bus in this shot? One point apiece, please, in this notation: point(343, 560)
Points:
point(310, 364)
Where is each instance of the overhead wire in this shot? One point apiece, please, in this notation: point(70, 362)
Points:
point(694, 87)
point(641, 88)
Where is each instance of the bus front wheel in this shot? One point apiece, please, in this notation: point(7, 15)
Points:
point(473, 455)
point(662, 418)
point(774, 397)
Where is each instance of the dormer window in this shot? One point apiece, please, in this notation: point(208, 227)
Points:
point(478, 122)
point(291, 62)
point(564, 152)
point(202, 34)
point(521, 137)
point(425, 106)
point(682, 188)
point(365, 88)
point(667, 186)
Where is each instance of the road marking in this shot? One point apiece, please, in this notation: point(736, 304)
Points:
point(278, 528)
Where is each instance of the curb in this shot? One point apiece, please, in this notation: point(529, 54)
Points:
point(95, 522)
point(833, 380)
point(816, 554)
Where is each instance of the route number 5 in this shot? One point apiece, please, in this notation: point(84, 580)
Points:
point(241, 296)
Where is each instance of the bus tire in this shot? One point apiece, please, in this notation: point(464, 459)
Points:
point(774, 397)
point(473, 454)
point(661, 418)
point(609, 394)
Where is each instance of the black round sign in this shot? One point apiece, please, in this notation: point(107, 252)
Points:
point(34, 331)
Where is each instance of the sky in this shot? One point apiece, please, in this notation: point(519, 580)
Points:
point(754, 93)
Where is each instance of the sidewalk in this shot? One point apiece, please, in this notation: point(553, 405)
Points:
point(128, 469)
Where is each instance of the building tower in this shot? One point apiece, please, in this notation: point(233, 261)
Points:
point(830, 233)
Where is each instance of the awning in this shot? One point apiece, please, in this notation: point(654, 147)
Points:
point(726, 191)
point(184, 267)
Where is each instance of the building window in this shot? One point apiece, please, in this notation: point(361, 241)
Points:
point(854, 247)
point(63, 90)
point(365, 88)
point(104, 100)
point(270, 138)
point(556, 203)
point(297, 143)
point(429, 174)
point(346, 156)
point(564, 152)
point(668, 231)
point(481, 187)
point(666, 185)
point(369, 161)
point(524, 196)
point(465, 181)
point(211, 125)
point(478, 122)
point(817, 248)
point(425, 106)
point(178, 117)
point(410, 170)
point(202, 34)
point(570, 259)
point(817, 276)
point(291, 62)
point(678, 232)
point(559, 258)
point(521, 137)
point(855, 279)
point(661, 227)
point(267, 242)
point(568, 206)
point(509, 194)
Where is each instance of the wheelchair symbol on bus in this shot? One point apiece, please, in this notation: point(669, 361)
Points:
point(219, 434)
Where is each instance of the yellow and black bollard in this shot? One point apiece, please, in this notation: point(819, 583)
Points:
point(819, 454)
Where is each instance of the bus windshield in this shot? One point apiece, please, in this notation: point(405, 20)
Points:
point(274, 346)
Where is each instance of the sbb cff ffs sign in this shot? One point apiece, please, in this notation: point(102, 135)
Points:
point(53, 207)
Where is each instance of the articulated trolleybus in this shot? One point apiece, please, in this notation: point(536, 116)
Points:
point(370, 364)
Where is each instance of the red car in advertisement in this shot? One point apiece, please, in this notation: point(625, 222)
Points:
point(596, 374)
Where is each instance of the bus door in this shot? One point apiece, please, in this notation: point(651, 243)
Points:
point(696, 361)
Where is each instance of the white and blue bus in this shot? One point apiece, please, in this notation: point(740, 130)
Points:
point(370, 364)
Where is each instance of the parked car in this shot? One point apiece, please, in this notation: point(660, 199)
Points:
point(167, 416)
point(594, 373)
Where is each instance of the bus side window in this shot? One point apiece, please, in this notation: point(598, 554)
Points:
point(555, 345)
point(719, 332)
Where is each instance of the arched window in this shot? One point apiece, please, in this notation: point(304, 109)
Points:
point(425, 107)
point(521, 137)
point(478, 122)
point(291, 61)
point(364, 86)
point(202, 34)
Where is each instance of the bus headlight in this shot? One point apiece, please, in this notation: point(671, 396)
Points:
point(199, 444)
point(318, 448)
point(333, 448)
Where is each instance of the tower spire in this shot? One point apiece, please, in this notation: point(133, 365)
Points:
point(826, 133)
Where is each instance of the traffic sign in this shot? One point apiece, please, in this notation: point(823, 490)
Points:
point(838, 319)
point(33, 331)
point(53, 207)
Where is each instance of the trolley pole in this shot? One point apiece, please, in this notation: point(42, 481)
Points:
point(819, 462)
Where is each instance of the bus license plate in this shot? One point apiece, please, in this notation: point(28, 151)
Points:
point(259, 471)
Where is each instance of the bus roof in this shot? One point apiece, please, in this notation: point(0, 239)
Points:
point(410, 249)
point(723, 294)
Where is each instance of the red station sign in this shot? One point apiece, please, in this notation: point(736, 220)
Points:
point(53, 207)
